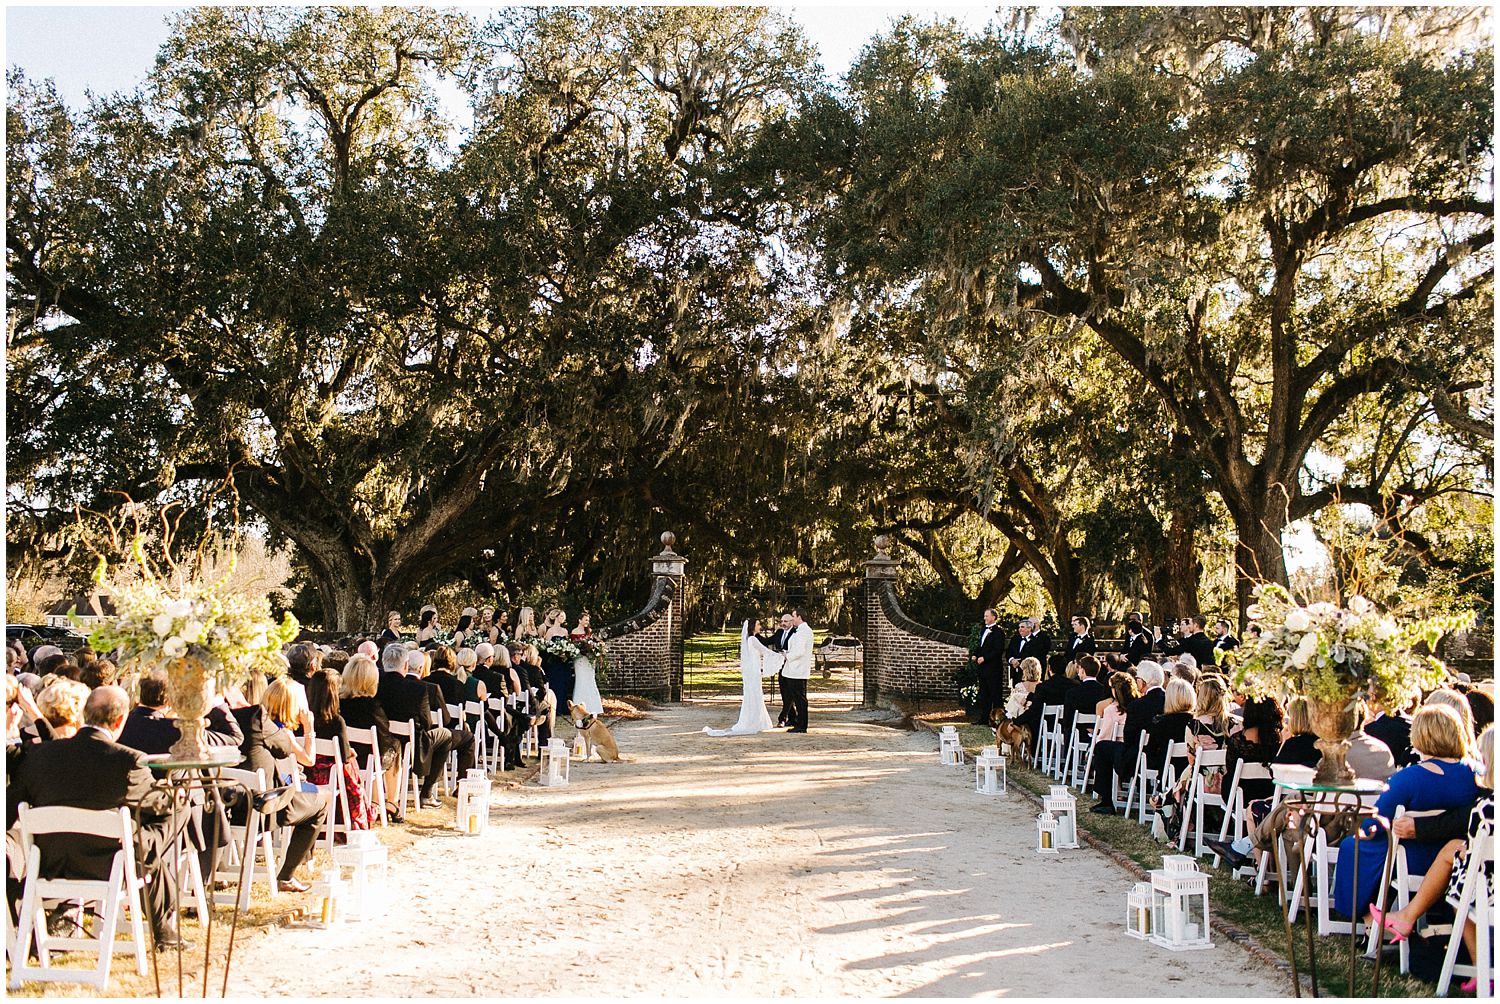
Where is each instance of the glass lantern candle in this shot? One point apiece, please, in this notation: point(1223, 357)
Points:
point(1046, 833)
point(328, 892)
point(1138, 911)
point(580, 747)
point(1061, 803)
point(1179, 895)
point(554, 764)
point(950, 747)
point(989, 772)
point(473, 812)
point(369, 874)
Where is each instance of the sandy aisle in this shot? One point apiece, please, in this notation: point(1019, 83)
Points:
point(843, 862)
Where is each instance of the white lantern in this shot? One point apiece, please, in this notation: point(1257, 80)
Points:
point(1046, 833)
point(473, 814)
point(554, 767)
point(950, 748)
point(1061, 803)
point(989, 772)
point(1179, 905)
point(580, 747)
point(328, 891)
point(368, 864)
point(1138, 911)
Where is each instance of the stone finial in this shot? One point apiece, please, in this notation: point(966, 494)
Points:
point(667, 540)
point(883, 546)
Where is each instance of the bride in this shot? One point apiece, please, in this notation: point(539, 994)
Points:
point(756, 661)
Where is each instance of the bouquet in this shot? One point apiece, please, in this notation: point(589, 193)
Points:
point(1332, 654)
point(559, 648)
point(595, 652)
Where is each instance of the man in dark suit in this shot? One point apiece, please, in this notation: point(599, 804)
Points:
point(1085, 694)
point(303, 660)
point(405, 697)
point(1198, 644)
point(1119, 758)
point(1224, 641)
point(91, 770)
point(1082, 643)
point(1395, 731)
point(1053, 690)
point(1026, 644)
point(151, 728)
point(989, 660)
point(1137, 641)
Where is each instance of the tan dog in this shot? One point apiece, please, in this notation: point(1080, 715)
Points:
point(1018, 736)
point(596, 735)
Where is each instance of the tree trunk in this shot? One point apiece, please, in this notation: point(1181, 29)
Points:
point(1259, 520)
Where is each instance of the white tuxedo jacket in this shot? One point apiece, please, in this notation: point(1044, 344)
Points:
point(799, 654)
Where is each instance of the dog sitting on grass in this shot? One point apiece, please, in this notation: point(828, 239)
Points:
point(596, 735)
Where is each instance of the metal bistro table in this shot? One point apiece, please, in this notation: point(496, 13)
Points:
point(181, 780)
point(1310, 805)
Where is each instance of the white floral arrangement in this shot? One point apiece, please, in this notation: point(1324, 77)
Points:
point(163, 620)
point(560, 648)
point(1331, 653)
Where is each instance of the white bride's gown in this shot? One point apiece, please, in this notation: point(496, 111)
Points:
point(753, 714)
point(585, 690)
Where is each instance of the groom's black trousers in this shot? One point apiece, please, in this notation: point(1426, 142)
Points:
point(796, 706)
point(781, 717)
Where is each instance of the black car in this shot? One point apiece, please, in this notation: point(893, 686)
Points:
point(32, 635)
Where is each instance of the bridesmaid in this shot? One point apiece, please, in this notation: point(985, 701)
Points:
point(427, 626)
point(559, 670)
point(526, 626)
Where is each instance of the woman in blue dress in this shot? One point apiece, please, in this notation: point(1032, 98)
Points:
point(1440, 780)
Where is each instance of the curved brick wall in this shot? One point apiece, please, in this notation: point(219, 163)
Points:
point(645, 649)
point(904, 658)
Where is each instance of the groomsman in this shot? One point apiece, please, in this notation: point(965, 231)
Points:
point(989, 660)
point(1082, 643)
point(1028, 643)
point(1225, 641)
point(1196, 643)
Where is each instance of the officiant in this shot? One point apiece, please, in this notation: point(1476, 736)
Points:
point(988, 658)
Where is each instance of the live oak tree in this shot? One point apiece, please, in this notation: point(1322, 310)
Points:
point(277, 263)
point(1268, 215)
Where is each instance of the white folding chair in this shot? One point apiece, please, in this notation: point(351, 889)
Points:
point(119, 898)
point(338, 795)
point(1080, 750)
point(486, 746)
point(1199, 798)
point(450, 762)
point(501, 709)
point(1163, 779)
point(263, 856)
point(1320, 857)
point(406, 731)
point(1473, 900)
point(1137, 790)
point(1405, 882)
point(372, 774)
point(1047, 738)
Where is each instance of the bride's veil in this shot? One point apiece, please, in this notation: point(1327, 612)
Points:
point(745, 628)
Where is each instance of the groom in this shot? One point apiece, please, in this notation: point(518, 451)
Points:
point(798, 667)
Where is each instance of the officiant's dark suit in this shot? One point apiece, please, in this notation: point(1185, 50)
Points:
point(91, 771)
point(989, 661)
point(778, 643)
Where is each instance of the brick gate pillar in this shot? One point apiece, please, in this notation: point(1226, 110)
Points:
point(672, 566)
point(880, 572)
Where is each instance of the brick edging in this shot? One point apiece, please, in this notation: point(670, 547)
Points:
point(1232, 931)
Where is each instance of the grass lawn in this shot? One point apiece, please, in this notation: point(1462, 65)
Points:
point(1230, 898)
point(711, 664)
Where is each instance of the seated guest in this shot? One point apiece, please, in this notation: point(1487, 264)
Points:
point(90, 770)
point(1170, 727)
point(442, 674)
point(61, 705)
point(1446, 876)
point(1448, 697)
point(405, 697)
point(1111, 714)
point(151, 727)
point(1257, 742)
point(96, 673)
point(1442, 779)
point(1119, 758)
point(1020, 694)
point(1053, 690)
point(303, 660)
point(1394, 729)
point(360, 709)
point(1368, 757)
point(1299, 743)
point(1085, 695)
point(271, 746)
point(328, 724)
point(420, 663)
point(1482, 705)
point(1212, 721)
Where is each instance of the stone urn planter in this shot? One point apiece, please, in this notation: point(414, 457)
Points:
point(1333, 722)
point(187, 680)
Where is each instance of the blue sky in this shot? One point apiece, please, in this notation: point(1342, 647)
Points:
point(108, 49)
